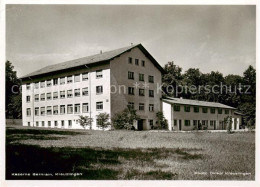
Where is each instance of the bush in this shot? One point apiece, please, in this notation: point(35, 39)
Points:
point(103, 120)
point(85, 121)
point(125, 119)
point(161, 122)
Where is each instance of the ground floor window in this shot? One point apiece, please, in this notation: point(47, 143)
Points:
point(195, 123)
point(175, 122)
point(187, 122)
point(151, 123)
point(62, 123)
point(29, 124)
point(43, 124)
point(55, 123)
point(49, 123)
point(99, 105)
point(70, 123)
point(37, 124)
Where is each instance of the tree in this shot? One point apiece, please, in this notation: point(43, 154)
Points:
point(125, 119)
point(13, 99)
point(103, 120)
point(162, 123)
point(85, 121)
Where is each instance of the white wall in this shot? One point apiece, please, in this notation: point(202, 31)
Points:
point(167, 111)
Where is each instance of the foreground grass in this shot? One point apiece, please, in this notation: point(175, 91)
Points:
point(128, 155)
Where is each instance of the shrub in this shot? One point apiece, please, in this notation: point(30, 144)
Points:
point(85, 121)
point(103, 120)
point(228, 122)
point(161, 122)
point(125, 119)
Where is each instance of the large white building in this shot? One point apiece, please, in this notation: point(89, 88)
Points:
point(56, 95)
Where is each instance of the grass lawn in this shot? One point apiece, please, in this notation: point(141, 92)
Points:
point(140, 155)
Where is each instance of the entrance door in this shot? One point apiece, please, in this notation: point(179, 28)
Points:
point(180, 125)
point(140, 125)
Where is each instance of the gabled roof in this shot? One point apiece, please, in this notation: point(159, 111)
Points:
point(102, 57)
point(171, 100)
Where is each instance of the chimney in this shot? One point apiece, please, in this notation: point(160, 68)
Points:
point(100, 51)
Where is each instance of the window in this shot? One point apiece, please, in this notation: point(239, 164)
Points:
point(42, 111)
point(29, 124)
point(28, 112)
point(151, 93)
point(28, 98)
point(177, 108)
point(48, 96)
point(55, 110)
point(205, 110)
point(131, 105)
point(43, 123)
point(211, 123)
point(131, 91)
point(36, 85)
point(49, 123)
point(141, 106)
point(205, 123)
point(151, 79)
point(43, 97)
point(99, 89)
point(137, 62)
point(42, 84)
point(48, 83)
point(85, 107)
point(69, 109)
point(37, 123)
point(226, 111)
point(55, 81)
point(130, 75)
point(141, 77)
point(187, 122)
point(36, 97)
point(56, 123)
point(141, 92)
point(212, 110)
point(130, 60)
point(84, 76)
point(70, 123)
point(151, 107)
point(28, 86)
point(49, 111)
point(187, 108)
point(77, 92)
point(151, 122)
point(69, 93)
point(99, 105)
point(77, 108)
point(62, 94)
point(62, 123)
point(196, 109)
point(36, 111)
point(175, 122)
point(85, 91)
point(69, 79)
point(55, 95)
point(219, 111)
point(195, 122)
point(62, 80)
point(76, 78)
point(62, 109)
point(143, 63)
point(99, 74)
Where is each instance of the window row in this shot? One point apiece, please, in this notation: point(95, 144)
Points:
point(49, 123)
point(131, 75)
point(131, 91)
point(130, 61)
point(55, 95)
point(196, 122)
point(141, 106)
point(63, 80)
point(63, 109)
point(196, 109)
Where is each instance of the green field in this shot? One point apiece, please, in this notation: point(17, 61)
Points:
point(127, 155)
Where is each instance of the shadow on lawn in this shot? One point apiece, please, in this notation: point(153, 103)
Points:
point(93, 163)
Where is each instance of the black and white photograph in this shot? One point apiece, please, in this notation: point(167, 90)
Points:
point(144, 92)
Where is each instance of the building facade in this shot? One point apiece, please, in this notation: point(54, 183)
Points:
point(55, 96)
point(186, 115)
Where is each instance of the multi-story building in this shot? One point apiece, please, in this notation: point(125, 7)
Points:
point(56, 95)
point(186, 114)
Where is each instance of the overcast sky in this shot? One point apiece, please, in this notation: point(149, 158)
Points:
point(211, 38)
